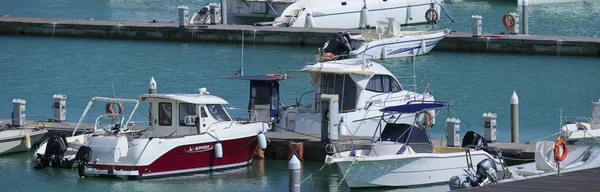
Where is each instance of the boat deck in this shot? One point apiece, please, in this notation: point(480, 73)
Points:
point(583, 180)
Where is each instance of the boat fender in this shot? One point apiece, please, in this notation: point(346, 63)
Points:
point(27, 141)
point(431, 15)
point(218, 150)
point(262, 140)
point(428, 118)
point(110, 110)
point(557, 145)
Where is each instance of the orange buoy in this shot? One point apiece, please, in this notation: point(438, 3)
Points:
point(296, 148)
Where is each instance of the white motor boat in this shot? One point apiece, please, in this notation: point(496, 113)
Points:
point(189, 133)
point(387, 42)
point(362, 86)
point(350, 14)
point(19, 139)
point(61, 151)
point(577, 158)
point(209, 14)
point(583, 129)
point(403, 156)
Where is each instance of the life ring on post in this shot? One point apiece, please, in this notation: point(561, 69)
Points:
point(563, 144)
point(427, 119)
point(508, 21)
point(431, 15)
point(110, 110)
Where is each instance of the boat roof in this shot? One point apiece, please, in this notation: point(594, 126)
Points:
point(188, 98)
point(414, 107)
point(264, 77)
point(347, 66)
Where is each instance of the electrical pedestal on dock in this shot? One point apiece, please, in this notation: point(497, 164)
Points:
point(453, 132)
point(18, 117)
point(489, 127)
point(60, 107)
point(476, 28)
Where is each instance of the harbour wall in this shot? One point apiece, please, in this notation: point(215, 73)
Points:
point(455, 42)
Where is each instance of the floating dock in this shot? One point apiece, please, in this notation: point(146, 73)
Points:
point(455, 42)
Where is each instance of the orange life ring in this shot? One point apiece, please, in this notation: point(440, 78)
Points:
point(327, 57)
point(428, 117)
point(558, 144)
point(110, 110)
point(431, 16)
point(509, 21)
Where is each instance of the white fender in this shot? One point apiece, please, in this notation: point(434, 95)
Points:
point(218, 150)
point(364, 18)
point(423, 46)
point(27, 141)
point(309, 23)
point(383, 53)
point(262, 140)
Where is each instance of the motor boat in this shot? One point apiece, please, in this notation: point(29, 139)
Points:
point(403, 155)
point(351, 14)
point(19, 139)
point(387, 42)
point(577, 158)
point(61, 151)
point(582, 129)
point(209, 14)
point(260, 9)
point(188, 133)
point(357, 88)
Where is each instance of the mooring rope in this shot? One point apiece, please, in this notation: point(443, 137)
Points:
point(354, 162)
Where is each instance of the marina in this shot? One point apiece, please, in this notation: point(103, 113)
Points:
point(394, 107)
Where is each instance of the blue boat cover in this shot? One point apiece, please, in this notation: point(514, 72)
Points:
point(413, 108)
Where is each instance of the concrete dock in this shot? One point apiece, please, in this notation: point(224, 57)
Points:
point(456, 42)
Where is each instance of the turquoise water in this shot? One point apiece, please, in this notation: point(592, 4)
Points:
point(35, 68)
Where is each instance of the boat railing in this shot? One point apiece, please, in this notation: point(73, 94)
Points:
point(325, 58)
point(506, 172)
point(575, 119)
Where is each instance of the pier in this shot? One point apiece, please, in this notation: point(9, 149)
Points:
point(454, 42)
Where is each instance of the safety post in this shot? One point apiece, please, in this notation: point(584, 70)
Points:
point(525, 15)
point(514, 118)
point(183, 12)
point(295, 175)
point(489, 126)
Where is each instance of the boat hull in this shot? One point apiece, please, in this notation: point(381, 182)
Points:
point(409, 45)
point(420, 169)
point(14, 141)
point(182, 159)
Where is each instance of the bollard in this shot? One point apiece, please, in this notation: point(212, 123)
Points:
point(183, 12)
point(453, 132)
point(329, 115)
point(151, 90)
point(295, 174)
point(224, 12)
point(476, 26)
point(18, 117)
point(514, 118)
point(525, 23)
point(489, 126)
point(60, 108)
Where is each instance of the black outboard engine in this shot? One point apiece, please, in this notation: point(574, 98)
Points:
point(338, 45)
point(473, 139)
point(486, 174)
point(82, 159)
point(56, 147)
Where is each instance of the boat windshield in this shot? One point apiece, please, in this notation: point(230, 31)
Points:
point(217, 111)
point(413, 136)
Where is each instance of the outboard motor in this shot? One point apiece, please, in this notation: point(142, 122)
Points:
point(82, 158)
point(338, 45)
point(474, 139)
point(486, 174)
point(56, 147)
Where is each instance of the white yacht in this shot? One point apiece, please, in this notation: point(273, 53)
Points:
point(582, 128)
point(362, 86)
point(346, 14)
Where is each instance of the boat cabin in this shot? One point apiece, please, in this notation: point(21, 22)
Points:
point(185, 114)
point(264, 102)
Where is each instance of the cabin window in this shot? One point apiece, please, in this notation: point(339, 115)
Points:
point(164, 114)
point(185, 110)
point(218, 112)
point(383, 84)
point(343, 86)
point(203, 113)
point(344, 3)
